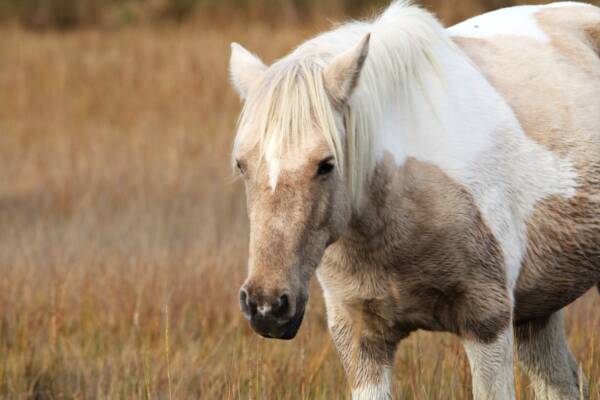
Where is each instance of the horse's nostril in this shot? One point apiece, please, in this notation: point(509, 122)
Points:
point(284, 304)
point(243, 297)
point(252, 307)
point(248, 307)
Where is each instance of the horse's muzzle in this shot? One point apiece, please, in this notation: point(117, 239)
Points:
point(275, 328)
point(276, 316)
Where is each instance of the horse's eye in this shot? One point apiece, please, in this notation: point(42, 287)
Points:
point(325, 167)
point(240, 167)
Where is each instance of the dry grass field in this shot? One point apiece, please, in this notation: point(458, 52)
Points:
point(123, 234)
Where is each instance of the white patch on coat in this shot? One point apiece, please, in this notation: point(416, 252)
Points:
point(518, 21)
point(512, 21)
point(492, 367)
point(381, 390)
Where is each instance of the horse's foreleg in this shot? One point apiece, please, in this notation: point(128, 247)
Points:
point(544, 354)
point(492, 367)
point(367, 356)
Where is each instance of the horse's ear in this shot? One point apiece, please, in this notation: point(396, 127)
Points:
point(245, 69)
point(341, 75)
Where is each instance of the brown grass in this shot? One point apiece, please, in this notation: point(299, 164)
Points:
point(123, 236)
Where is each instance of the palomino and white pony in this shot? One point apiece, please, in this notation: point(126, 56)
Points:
point(438, 179)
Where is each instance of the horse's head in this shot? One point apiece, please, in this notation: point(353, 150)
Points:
point(290, 150)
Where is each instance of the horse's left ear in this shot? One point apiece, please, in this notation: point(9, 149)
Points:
point(245, 69)
point(341, 75)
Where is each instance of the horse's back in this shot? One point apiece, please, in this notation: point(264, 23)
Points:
point(547, 67)
point(548, 70)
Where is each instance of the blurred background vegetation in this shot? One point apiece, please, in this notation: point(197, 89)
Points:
point(123, 237)
point(73, 14)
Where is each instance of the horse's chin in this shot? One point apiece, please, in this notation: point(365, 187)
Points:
point(286, 331)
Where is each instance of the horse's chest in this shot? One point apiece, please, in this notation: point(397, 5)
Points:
point(444, 282)
point(403, 302)
point(382, 301)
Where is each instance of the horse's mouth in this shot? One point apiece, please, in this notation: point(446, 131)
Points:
point(286, 331)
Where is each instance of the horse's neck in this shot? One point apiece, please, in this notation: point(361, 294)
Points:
point(474, 146)
point(461, 119)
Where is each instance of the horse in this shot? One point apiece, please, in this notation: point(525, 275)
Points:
point(432, 179)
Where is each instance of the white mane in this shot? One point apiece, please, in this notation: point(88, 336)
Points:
point(290, 102)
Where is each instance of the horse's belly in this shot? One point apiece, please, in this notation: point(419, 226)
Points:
point(563, 254)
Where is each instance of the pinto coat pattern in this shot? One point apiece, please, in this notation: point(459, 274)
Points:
point(438, 179)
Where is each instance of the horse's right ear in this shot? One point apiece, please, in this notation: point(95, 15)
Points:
point(245, 69)
point(341, 75)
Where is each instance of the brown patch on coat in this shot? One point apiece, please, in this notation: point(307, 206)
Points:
point(563, 254)
point(420, 257)
point(574, 31)
point(593, 33)
point(554, 90)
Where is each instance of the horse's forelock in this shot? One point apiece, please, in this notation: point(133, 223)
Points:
point(285, 110)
